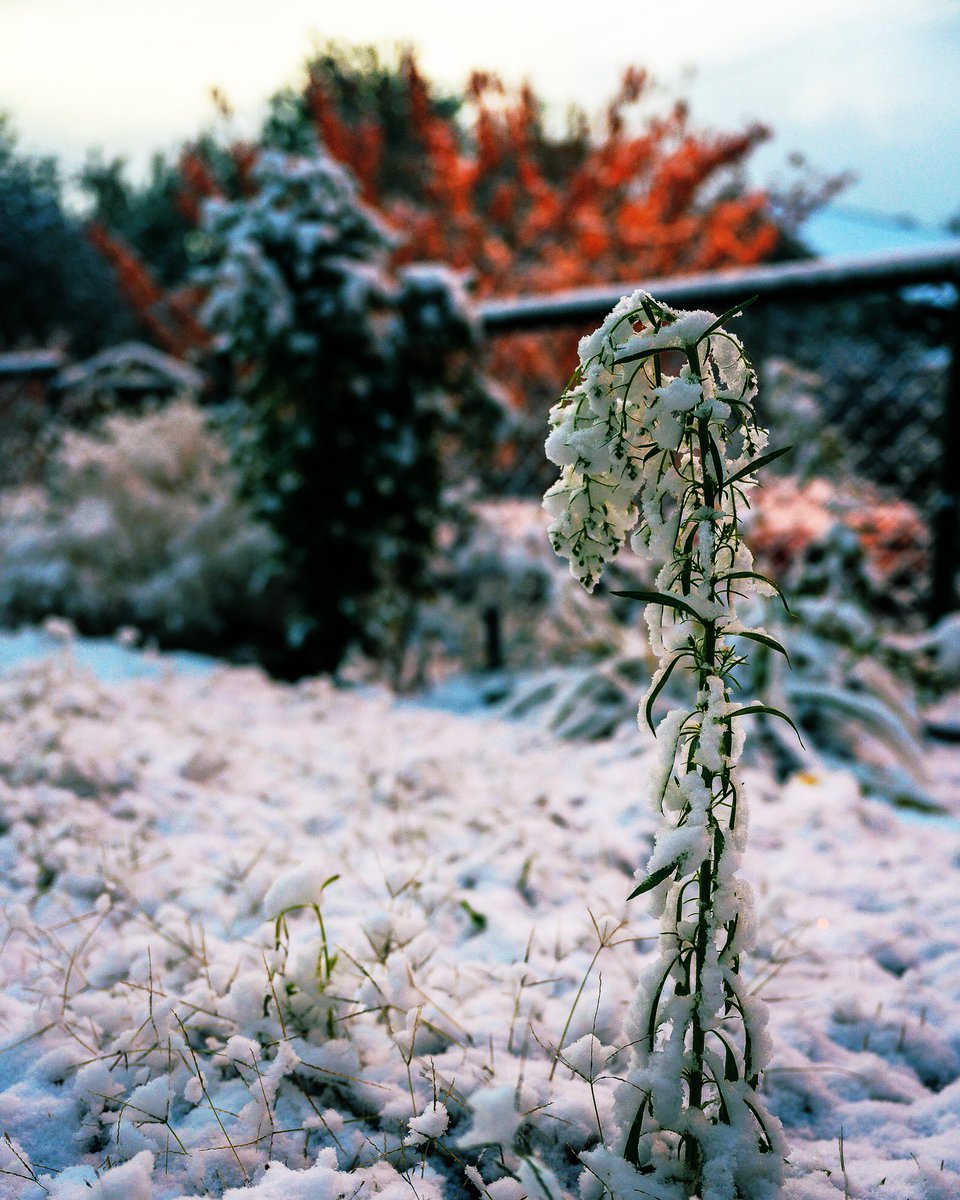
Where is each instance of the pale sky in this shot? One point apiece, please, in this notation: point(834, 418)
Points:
point(873, 85)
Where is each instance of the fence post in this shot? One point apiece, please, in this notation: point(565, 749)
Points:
point(946, 533)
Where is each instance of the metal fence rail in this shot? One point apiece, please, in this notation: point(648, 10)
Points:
point(881, 335)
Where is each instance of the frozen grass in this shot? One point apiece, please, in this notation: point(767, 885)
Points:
point(155, 1034)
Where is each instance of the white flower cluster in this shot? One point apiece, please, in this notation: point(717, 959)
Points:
point(618, 430)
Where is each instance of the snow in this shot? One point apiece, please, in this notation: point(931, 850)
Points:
point(296, 888)
point(108, 659)
point(142, 1051)
point(431, 1123)
point(131, 1181)
point(587, 1056)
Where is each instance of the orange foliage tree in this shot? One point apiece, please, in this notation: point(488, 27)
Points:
point(168, 315)
point(484, 185)
point(525, 210)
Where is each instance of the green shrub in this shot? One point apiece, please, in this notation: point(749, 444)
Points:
point(355, 396)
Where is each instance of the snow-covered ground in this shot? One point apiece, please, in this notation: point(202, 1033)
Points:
point(163, 1035)
point(110, 659)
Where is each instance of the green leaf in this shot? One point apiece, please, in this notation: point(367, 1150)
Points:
point(651, 881)
point(649, 313)
point(640, 354)
point(661, 684)
point(770, 712)
point(717, 460)
point(762, 578)
point(728, 315)
point(687, 570)
point(664, 598)
point(764, 639)
point(655, 1004)
point(478, 920)
point(765, 1148)
point(731, 1068)
point(631, 1147)
point(756, 465)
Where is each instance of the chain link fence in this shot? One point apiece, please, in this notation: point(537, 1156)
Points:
point(859, 365)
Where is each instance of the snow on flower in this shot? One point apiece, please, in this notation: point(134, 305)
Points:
point(619, 410)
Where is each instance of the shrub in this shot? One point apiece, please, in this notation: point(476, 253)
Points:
point(887, 543)
point(138, 524)
point(353, 389)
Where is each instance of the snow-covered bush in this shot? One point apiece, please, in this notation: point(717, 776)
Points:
point(505, 601)
point(854, 687)
point(656, 435)
point(355, 393)
point(803, 531)
point(137, 524)
point(844, 553)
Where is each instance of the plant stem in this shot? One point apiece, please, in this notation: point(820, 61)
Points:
point(706, 873)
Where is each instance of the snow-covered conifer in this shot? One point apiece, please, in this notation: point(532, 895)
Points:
point(354, 388)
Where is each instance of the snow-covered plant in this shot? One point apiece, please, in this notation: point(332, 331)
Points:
point(354, 387)
point(137, 523)
point(656, 435)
